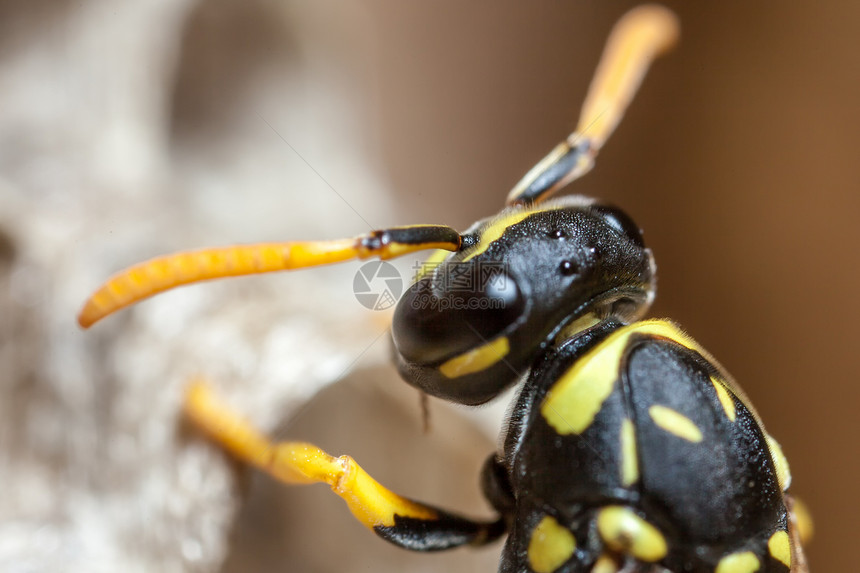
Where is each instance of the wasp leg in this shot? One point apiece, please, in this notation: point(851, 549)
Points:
point(401, 521)
point(800, 529)
point(638, 38)
point(163, 273)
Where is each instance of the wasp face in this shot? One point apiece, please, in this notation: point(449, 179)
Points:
point(473, 323)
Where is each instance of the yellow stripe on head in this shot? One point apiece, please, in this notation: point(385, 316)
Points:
point(578, 326)
point(477, 359)
point(495, 229)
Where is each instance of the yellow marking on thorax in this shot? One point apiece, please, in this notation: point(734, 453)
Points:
point(605, 564)
point(779, 547)
point(741, 562)
point(725, 399)
point(574, 401)
point(496, 229)
point(477, 359)
point(551, 544)
point(624, 531)
point(783, 473)
point(675, 423)
point(629, 458)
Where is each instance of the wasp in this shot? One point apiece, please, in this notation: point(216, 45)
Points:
point(629, 448)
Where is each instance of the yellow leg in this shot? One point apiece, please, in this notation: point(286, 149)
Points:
point(800, 529)
point(386, 513)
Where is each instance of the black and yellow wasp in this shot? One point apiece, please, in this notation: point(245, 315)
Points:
point(629, 449)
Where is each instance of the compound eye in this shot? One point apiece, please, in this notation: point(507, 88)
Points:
point(621, 222)
point(433, 324)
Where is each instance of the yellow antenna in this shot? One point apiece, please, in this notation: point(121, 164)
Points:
point(170, 271)
point(637, 39)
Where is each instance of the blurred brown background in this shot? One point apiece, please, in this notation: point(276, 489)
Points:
point(737, 159)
